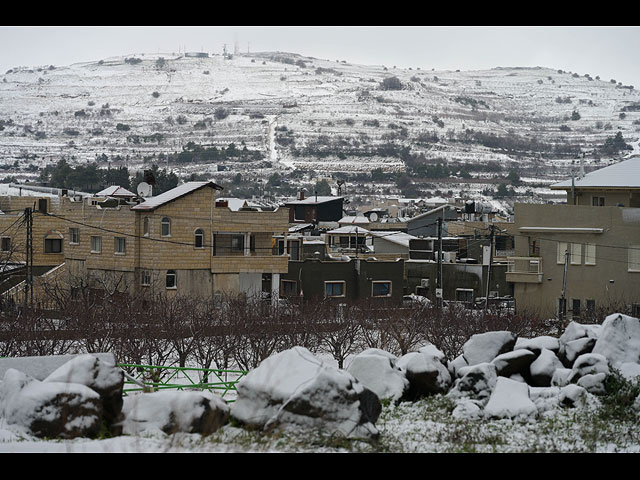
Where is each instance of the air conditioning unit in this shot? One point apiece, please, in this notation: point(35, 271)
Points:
point(424, 282)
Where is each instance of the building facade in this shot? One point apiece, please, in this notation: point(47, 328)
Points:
point(582, 255)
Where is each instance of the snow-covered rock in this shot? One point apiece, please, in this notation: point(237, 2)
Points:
point(484, 347)
point(425, 372)
point(174, 411)
point(574, 348)
point(536, 344)
point(378, 370)
point(294, 388)
point(575, 396)
point(467, 409)
point(543, 368)
point(619, 340)
point(510, 363)
point(49, 409)
point(100, 375)
point(456, 364)
point(476, 382)
point(510, 399)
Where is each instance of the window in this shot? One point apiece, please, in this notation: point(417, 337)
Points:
point(6, 244)
point(634, 258)
point(145, 227)
point(96, 244)
point(74, 236)
point(289, 288)
point(464, 295)
point(576, 253)
point(52, 245)
point(381, 289)
point(562, 248)
point(165, 226)
point(145, 280)
point(237, 243)
point(171, 279)
point(597, 201)
point(575, 309)
point(198, 238)
point(120, 244)
point(534, 248)
point(590, 305)
point(334, 289)
point(589, 254)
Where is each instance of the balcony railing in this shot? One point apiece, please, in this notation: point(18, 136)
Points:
point(524, 269)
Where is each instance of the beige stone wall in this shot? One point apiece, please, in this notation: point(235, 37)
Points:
point(12, 226)
point(197, 269)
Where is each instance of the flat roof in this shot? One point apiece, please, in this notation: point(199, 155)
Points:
point(625, 174)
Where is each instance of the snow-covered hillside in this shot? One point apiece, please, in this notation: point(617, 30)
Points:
point(322, 116)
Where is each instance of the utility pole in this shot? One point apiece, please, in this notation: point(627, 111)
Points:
point(563, 300)
point(439, 271)
point(486, 299)
point(28, 284)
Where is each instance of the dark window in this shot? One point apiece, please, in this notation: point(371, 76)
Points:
point(6, 244)
point(289, 288)
point(52, 245)
point(199, 238)
point(334, 289)
point(166, 226)
point(575, 308)
point(172, 279)
point(381, 289)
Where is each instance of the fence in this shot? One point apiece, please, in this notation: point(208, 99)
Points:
point(150, 378)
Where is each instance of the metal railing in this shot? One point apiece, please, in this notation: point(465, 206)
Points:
point(151, 378)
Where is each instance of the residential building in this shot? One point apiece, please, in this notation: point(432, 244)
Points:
point(316, 209)
point(181, 242)
point(582, 255)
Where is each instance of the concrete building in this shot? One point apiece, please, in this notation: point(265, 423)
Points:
point(582, 255)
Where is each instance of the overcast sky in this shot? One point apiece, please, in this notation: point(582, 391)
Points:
point(608, 52)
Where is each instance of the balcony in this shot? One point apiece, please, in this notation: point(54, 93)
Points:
point(524, 269)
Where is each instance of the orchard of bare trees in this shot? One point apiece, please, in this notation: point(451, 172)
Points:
point(241, 332)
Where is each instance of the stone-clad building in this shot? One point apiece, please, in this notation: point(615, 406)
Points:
point(179, 242)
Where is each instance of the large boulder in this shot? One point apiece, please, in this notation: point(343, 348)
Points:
point(544, 367)
point(590, 372)
point(574, 348)
point(484, 347)
point(173, 412)
point(509, 399)
point(515, 362)
point(378, 370)
point(50, 409)
point(425, 372)
point(619, 340)
point(294, 388)
point(536, 344)
point(476, 382)
point(100, 375)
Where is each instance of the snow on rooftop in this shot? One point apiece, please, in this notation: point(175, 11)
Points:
point(619, 175)
point(313, 199)
point(353, 219)
point(349, 229)
point(177, 192)
point(115, 191)
point(401, 238)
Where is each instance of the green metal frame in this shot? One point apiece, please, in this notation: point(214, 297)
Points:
point(151, 378)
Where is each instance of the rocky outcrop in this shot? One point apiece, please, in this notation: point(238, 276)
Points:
point(293, 388)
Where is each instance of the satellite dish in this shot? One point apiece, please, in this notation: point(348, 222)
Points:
point(144, 189)
point(373, 217)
